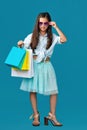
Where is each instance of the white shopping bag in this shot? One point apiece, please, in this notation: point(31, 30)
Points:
point(24, 73)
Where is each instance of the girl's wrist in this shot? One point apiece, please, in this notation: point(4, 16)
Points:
point(56, 27)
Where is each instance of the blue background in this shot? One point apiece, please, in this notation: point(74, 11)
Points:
point(17, 19)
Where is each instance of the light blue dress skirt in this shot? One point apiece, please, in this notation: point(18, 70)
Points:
point(44, 80)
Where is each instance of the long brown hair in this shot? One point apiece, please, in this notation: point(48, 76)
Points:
point(35, 35)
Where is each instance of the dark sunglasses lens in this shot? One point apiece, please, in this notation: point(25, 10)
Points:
point(41, 23)
point(46, 23)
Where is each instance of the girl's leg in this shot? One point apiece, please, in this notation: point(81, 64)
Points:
point(53, 99)
point(33, 99)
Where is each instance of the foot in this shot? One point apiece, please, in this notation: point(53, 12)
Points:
point(36, 119)
point(53, 119)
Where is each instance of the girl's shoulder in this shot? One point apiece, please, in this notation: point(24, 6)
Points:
point(54, 35)
point(56, 39)
point(29, 35)
point(27, 39)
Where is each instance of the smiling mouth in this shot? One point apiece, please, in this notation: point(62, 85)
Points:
point(43, 27)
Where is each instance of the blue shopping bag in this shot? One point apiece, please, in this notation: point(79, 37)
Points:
point(15, 57)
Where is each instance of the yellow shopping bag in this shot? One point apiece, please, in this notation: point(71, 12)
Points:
point(26, 63)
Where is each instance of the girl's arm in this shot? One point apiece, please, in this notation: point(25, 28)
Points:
point(62, 36)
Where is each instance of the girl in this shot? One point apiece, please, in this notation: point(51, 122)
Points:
point(42, 41)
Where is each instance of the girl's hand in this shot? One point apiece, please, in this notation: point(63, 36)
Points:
point(53, 24)
point(62, 36)
point(20, 43)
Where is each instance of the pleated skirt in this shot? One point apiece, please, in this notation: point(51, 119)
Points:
point(44, 80)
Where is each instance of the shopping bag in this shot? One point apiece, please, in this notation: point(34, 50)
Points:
point(24, 73)
point(25, 63)
point(15, 57)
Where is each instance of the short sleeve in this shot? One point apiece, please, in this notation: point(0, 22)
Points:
point(56, 39)
point(27, 41)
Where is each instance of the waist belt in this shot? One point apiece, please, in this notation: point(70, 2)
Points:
point(47, 59)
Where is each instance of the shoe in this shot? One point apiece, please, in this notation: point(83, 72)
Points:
point(36, 119)
point(52, 119)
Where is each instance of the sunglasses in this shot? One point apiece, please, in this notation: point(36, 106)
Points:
point(43, 23)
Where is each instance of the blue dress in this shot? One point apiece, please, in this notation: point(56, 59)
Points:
point(44, 80)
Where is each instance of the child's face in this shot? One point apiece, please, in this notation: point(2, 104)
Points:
point(43, 24)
